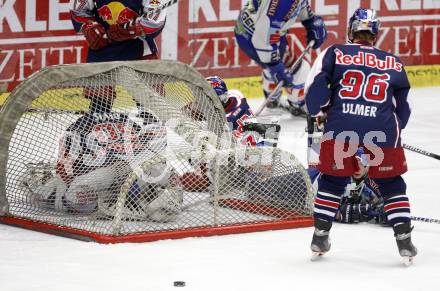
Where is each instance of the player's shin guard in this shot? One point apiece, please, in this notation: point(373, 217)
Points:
point(268, 86)
point(397, 209)
point(396, 203)
point(330, 190)
point(326, 206)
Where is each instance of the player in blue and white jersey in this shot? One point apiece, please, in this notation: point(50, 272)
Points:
point(261, 32)
point(363, 92)
point(241, 118)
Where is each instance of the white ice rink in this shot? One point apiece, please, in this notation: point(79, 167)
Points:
point(363, 256)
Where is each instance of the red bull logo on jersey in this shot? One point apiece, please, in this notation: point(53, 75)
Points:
point(368, 60)
point(116, 13)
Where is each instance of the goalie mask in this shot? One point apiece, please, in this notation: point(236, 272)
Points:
point(363, 20)
point(219, 87)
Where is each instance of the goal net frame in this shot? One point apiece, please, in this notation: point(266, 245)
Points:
point(28, 91)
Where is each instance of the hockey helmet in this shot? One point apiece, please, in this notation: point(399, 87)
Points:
point(219, 87)
point(362, 164)
point(363, 20)
point(152, 9)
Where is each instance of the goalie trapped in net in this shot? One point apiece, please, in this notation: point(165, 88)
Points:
point(96, 154)
point(102, 147)
point(335, 89)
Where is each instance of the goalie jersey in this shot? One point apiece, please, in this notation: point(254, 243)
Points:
point(108, 12)
point(99, 140)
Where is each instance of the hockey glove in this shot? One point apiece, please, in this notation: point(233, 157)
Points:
point(316, 30)
point(278, 72)
point(316, 123)
point(350, 213)
point(95, 35)
point(117, 32)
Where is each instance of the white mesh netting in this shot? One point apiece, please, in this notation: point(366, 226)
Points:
point(140, 147)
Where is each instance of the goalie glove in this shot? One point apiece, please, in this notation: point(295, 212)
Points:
point(264, 134)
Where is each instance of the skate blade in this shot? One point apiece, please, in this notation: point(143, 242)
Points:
point(316, 256)
point(407, 261)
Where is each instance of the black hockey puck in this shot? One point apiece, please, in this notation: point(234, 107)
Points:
point(179, 284)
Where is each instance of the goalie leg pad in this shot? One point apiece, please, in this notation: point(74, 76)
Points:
point(82, 195)
point(166, 206)
point(51, 194)
point(45, 187)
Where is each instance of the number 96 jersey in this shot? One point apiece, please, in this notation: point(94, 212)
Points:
point(363, 90)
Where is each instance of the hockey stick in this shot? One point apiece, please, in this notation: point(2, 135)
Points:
point(425, 219)
point(206, 200)
point(281, 83)
point(413, 149)
point(168, 4)
point(420, 151)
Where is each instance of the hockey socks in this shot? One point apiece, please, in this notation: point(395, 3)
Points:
point(326, 206)
point(397, 209)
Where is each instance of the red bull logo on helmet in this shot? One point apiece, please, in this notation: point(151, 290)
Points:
point(154, 2)
point(116, 13)
point(215, 84)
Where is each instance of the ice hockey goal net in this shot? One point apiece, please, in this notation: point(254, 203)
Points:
point(137, 151)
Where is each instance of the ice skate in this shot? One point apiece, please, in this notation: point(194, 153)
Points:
point(320, 243)
point(407, 250)
point(296, 108)
point(272, 104)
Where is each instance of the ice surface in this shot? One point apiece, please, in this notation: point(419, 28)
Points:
point(363, 256)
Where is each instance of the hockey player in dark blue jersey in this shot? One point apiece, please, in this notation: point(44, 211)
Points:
point(261, 32)
point(241, 118)
point(363, 92)
point(118, 30)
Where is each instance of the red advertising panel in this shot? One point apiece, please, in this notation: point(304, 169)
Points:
point(35, 34)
